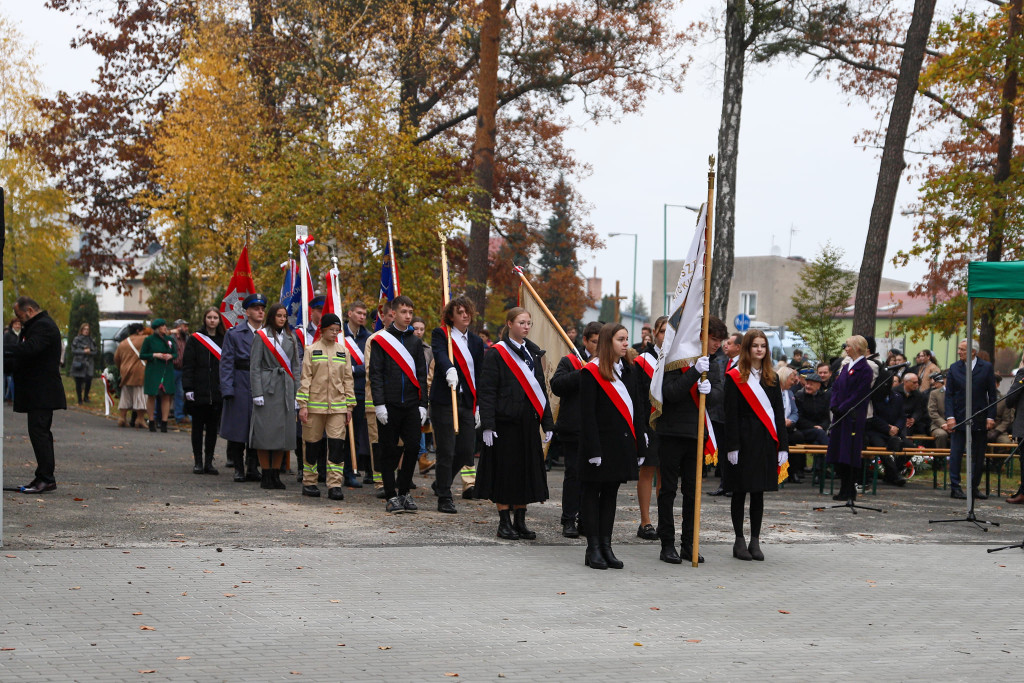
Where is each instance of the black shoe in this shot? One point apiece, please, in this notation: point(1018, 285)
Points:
point(958, 493)
point(336, 493)
point(520, 525)
point(755, 549)
point(594, 557)
point(739, 550)
point(647, 532)
point(840, 497)
point(608, 555)
point(469, 493)
point(368, 479)
point(433, 487)
point(669, 554)
point(38, 487)
point(408, 503)
point(254, 475)
point(152, 426)
point(275, 479)
point(311, 491)
point(413, 486)
point(353, 482)
point(569, 529)
point(266, 482)
point(240, 476)
point(718, 492)
point(446, 506)
point(978, 495)
point(505, 529)
point(394, 506)
point(163, 427)
point(197, 469)
point(686, 554)
point(380, 494)
point(208, 467)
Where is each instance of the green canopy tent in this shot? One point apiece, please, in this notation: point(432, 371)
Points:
point(998, 280)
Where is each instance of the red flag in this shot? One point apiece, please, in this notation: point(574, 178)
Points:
point(241, 286)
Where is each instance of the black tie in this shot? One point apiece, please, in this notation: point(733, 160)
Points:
point(521, 350)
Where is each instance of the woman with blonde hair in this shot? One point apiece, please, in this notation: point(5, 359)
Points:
point(513, 410)
point(852, 384)
point(755, 438)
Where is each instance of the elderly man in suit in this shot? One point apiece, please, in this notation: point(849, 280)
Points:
point(983, 393)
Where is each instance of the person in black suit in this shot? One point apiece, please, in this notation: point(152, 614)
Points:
point(1013, 397)
point(983, 393)
point(613, 439)
point(454, 451)
point(35, 365)
point(565, 384)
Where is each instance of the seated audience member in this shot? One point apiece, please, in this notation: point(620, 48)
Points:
point(937, 410)
point(824, 371)
point(915, 407)
point(925, 366)
point(885, 429)
point(797, 461)
point(1004, 419)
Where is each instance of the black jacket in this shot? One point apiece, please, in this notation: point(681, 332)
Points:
point(679, 411)
point(358, 370)
point(605, 433)
point(888, 412)
point(200, 371)
point(440, 393)
point(565, 384)
point(34, 363)
point(813, 410)
point(388, 384)
point(500, 395)
point(714, 403)
point(915, 405)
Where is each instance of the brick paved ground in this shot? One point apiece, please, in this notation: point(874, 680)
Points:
point(873, 596)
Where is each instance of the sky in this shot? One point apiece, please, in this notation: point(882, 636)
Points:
point(798, 165)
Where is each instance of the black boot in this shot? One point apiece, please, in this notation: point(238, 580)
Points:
point(520, 525)
point(739, 550)
point(505, 529)
point(755, 549)
point(275, 478)
point(609, 556)
point(686, 552)
point(198, 467)
point(252, 471)
point(208, 467)
point(239, 464)
point(265, 480)
point(669, 554)
point(594, 558)
point(152, 425)
point(163, 426)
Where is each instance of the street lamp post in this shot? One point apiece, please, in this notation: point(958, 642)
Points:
point(664, 260)
point(632, 319)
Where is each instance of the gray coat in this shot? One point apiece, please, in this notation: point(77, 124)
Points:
point(234, 383)
point(273, 425)
point(1014, 401)
point(82, 363)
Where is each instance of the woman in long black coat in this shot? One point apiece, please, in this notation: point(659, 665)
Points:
point(613, 412)
point(511, 469)
point(200, 380)
point(756, 448)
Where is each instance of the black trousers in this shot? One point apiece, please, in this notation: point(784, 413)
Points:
point(205, 421)
point(453, 451)
point(571, 490)
point(39, 424)
point(403, 423)
point(238, 452)
point(82, 386)
point(797, 461)
point(598, 507)
point(957, 448)
point(362, 436)
point(678, 455)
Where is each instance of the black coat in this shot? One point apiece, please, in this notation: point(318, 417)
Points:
point(679, 411)
point(888, 412)
point(757, 468)
point(200, 371)
point(606, 434)
point(915, 405)
point(814, 410)
point(35, 366)
point(565, 384)
point(500, 395)
point(1013, 400)
point(983, 392)
point(358, 371)
point(388, 384)
point(440, 393)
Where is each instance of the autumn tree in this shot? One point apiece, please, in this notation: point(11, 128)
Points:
point(820, 298)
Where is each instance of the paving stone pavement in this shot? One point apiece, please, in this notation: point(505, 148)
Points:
point(811, 612)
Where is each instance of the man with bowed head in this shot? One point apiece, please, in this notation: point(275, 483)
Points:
point(235, 390)
point(983, 386)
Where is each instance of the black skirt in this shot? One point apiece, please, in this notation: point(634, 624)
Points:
point(512, 471)
point(651, 458)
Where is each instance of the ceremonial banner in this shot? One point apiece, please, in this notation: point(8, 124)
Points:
point(389, 285)
point(291, 294)
point(240, 286)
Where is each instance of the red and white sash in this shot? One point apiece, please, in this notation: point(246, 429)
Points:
point(210, 345)
point(353, 350)
point(576, 361)
point(524, 374)
point(756, 397)
point(276, 351)
point(464, 359)
point(400, 355)
point(647, 363)
point(616, 391)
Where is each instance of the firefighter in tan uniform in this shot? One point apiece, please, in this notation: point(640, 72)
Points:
point(326, 398)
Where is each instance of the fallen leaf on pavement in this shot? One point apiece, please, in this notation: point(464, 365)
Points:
point(78, 500)
point(10, 555)
point(183, 657)
point(655, 608)
point(782, 611)
point(638, 644)
point(295, 673)
point(229, 595)
point(341, 644)
point(6, 649)
point(75, 588)
point(136, 614)
point(693, 640)
point(561, 593)
point(335, 600)
point(146, 628)
point(147, 671)
point(383, 647)
point(451, 675)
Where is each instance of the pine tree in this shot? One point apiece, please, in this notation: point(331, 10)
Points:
point(825, 288)
point(558, 249)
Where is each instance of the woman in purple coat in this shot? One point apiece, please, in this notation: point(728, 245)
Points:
point(852, 385)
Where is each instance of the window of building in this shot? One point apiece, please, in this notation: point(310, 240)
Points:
point(748, 303)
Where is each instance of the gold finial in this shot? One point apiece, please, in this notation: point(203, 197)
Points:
point(711, 163)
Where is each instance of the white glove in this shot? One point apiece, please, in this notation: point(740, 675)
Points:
point(423, 416)
point(647, 440)
point(547, 436)
point(703, 364)
point(640, 462)
point(452, 377)
point(489, 436)
point(257, 400)
point(382, 414)
point(595, 461)
point(190, 395)
point(296, 405)
point(783, 457)
point(734, 457)
point(704, 386)
point(476, 416)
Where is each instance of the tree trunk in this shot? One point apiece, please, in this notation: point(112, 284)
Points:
point(1004, 155)
point(890, 169)
point(483, 156)
point(728, 154)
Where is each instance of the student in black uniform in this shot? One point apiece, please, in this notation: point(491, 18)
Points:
point(513, 410)
point(755, 438)
point(613, 413)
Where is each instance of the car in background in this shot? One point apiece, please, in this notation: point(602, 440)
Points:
point(112, 333)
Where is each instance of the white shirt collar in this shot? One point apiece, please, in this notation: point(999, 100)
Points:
point(618, 369)
point(516, 344)
point(254, 330)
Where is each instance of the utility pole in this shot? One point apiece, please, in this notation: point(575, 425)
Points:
point(618, 300)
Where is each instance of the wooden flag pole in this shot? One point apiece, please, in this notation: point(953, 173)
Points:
point(701, 410)
point(547, 312)
point(444, 304)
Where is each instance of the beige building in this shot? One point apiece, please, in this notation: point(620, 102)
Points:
point(761, 287)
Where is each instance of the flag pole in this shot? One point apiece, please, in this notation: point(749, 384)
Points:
point(701, 410)
point(444, 304)
point(547, 311)
point(301, 234)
